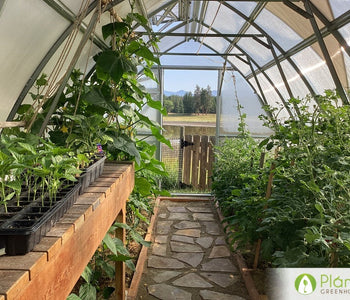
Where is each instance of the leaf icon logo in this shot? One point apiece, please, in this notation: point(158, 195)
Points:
point(305, 284)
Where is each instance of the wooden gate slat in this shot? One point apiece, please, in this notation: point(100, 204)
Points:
point(187, 160)
point(203, 163)
point(195, 160)
point(211, 159)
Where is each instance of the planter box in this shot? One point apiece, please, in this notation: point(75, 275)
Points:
point(23, 229)
point(91, 174)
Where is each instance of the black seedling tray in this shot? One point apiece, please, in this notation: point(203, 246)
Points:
point(91, 174)
point(20, 231)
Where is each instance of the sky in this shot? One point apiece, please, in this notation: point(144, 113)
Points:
point(175, 80)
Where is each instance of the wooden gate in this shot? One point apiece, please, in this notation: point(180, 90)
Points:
point(197, 162)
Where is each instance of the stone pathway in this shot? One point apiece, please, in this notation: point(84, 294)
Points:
point(189, 258)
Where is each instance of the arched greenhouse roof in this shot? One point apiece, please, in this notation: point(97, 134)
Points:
point(282, 48)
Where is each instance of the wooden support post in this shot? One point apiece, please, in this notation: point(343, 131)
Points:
point(119, 265)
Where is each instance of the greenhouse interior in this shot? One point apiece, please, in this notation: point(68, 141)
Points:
point(114, 187)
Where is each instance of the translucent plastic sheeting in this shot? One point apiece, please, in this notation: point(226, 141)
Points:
point(345, 31)
point(339, 7)
point(295, 82)
point(229, 116)
point(272, 97)
point(243, 6)
point(85, 61)
point(217, 43)
point(21, 33)
point(74, 6)
point(243, 67)
point(314, 69)
point(295, 21)
point(276, 78)
point(257, 51)
point(285, 36)
point(220, 21)
point(191, 60)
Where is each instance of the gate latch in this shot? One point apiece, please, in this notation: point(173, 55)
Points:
point(185, 143)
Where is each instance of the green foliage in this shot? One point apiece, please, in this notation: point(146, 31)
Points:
point(201, 101)
point(305, 222)
point(239, 185)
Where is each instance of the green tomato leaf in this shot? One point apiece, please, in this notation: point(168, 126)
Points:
point(120, 28)
point(87, 292)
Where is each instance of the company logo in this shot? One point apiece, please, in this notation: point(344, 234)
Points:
point(305, 284)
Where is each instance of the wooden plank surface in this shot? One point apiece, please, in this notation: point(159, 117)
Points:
point(195, 160)
point(187, 161)
point(203, 163)
point(55, 265)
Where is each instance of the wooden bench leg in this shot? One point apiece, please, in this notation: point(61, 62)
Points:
point(119, 265)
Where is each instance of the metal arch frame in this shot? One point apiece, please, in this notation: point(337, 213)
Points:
point(54, 48)
point(325, 53)
point(262, 101)
point(280, 49)
point(247, 19)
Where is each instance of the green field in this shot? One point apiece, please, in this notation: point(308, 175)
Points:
point(207, 118)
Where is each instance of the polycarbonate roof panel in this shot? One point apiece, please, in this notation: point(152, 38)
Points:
point(272, 96)
point(227, 22)
point(243, 6)
point(295, 82)
point(217, 43)
point(345, 31)
point(254, 49)
point(239, 64)
point(339, 7)
point(74, 6)
point(84, 63)
point(276, 78)
point(314, 69)
point(294, 20)
point(285, 36)
point(21, 33)
point(229, 117)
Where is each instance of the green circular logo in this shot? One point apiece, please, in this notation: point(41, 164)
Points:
point(305, 284)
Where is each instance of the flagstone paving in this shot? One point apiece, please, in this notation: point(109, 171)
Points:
point(189, 257)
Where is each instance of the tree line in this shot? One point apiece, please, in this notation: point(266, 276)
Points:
point(200, 101)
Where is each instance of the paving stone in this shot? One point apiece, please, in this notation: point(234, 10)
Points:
point(161, 239)
point(182, 247)
point(179, 216)
point(220, 240)
point(222, 279)
point(219, 251)
point(177, 209)
point(200, 209)
point(162, 276)
point(182, 238)
point(164, 263)
point(193, 259)
point(219, 265)
point(163, 227)
point(192, 280)
point(189, 232)
point(205, 241)
point(162, 216)
point(203, 217)
point(187, 225)
point(212, 228)
point(159, 249)
point(166, 292)
point(210, 295)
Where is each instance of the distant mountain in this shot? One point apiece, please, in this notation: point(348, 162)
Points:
point(182, 93)
point(178, 93)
